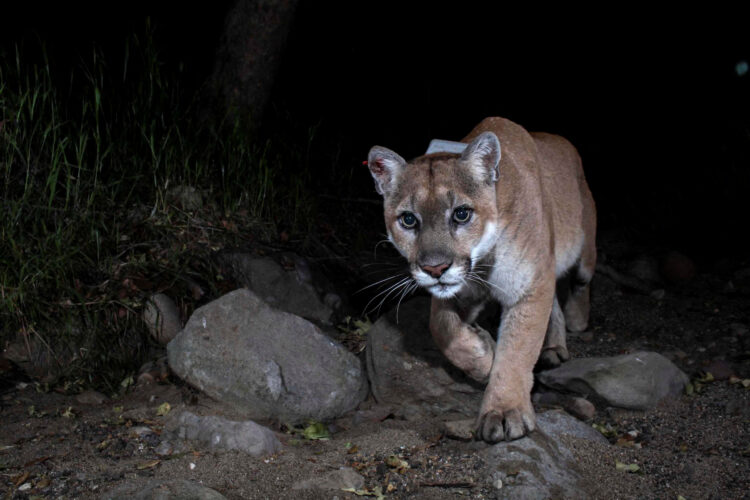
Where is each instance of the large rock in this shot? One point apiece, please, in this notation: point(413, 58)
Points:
point(406, 368)
point(636, 381)
point(265, 362)
point(218, 433)
point(541, 465)
point(292, 290)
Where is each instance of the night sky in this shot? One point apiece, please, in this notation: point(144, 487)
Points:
point(656, 102)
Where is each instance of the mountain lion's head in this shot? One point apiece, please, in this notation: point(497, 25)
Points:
point(441, 211)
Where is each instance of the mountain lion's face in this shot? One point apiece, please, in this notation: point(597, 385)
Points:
point(441, 211)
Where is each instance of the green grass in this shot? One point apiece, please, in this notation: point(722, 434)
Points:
point(87, 226)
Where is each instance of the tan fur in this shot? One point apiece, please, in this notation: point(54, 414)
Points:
point(532, 220)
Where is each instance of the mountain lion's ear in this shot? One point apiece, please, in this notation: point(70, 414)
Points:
point(384, 166)
point(483, 156)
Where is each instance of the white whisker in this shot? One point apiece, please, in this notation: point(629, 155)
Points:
point(478, 279)
point(396, 288)
point(387, 292)
point(404, 293)
point(389, 278)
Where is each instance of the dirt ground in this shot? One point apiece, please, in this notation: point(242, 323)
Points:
point(697, 446)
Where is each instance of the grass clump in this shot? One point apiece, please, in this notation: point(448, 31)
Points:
point(90, 222)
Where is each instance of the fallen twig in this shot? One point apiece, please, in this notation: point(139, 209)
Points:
point(447, 484)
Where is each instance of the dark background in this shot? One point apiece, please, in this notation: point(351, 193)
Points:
point(652, 99)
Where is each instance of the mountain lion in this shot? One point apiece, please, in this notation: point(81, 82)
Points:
point(479, 226)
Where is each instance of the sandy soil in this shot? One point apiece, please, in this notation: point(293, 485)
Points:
point(698, 446)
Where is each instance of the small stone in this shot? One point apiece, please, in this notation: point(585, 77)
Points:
point(411, 412)
point(460, 429)
point(677, 268)
point(721, 369)
point(164, 449)
point(145, 378)
point(162, 317)
point(343, 478)
point(497, 484)
point(24, 487)
point(579, 407)
point(377, 413)
point(141, 430)
point(153, 371)
point(91, 397)
point(658, 294)
point(587, 336)
point(220, 433)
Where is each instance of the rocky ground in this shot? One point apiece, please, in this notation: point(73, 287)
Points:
point(695, 445)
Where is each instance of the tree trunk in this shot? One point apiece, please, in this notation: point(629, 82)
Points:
point(248, 57)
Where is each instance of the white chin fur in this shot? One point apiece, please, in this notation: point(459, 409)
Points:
point(438, 289)
point(444, 291)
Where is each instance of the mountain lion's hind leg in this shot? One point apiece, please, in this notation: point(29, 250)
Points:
point(577, 306)
point(468, 347)
point(555, 350)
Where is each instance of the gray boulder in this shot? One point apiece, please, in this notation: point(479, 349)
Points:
point(636, 381)
point(218, 433)
point(265, 362)
point(292, 290)
point(541, 465)
point(406, 368)
point(556, 423)
point(162, 489)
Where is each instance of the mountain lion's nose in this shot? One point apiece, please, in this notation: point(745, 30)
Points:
point(436, 271)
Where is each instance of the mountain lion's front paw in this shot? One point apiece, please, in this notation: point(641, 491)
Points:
point(497, 424)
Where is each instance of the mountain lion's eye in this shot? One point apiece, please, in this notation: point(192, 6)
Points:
point(462, 215)
point(408, 220)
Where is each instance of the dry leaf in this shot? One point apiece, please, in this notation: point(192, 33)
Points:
point(163, 409)
point(19, 479)
point(148, 465)
point(316, 430)
point(395, 462)
point(627, 467)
